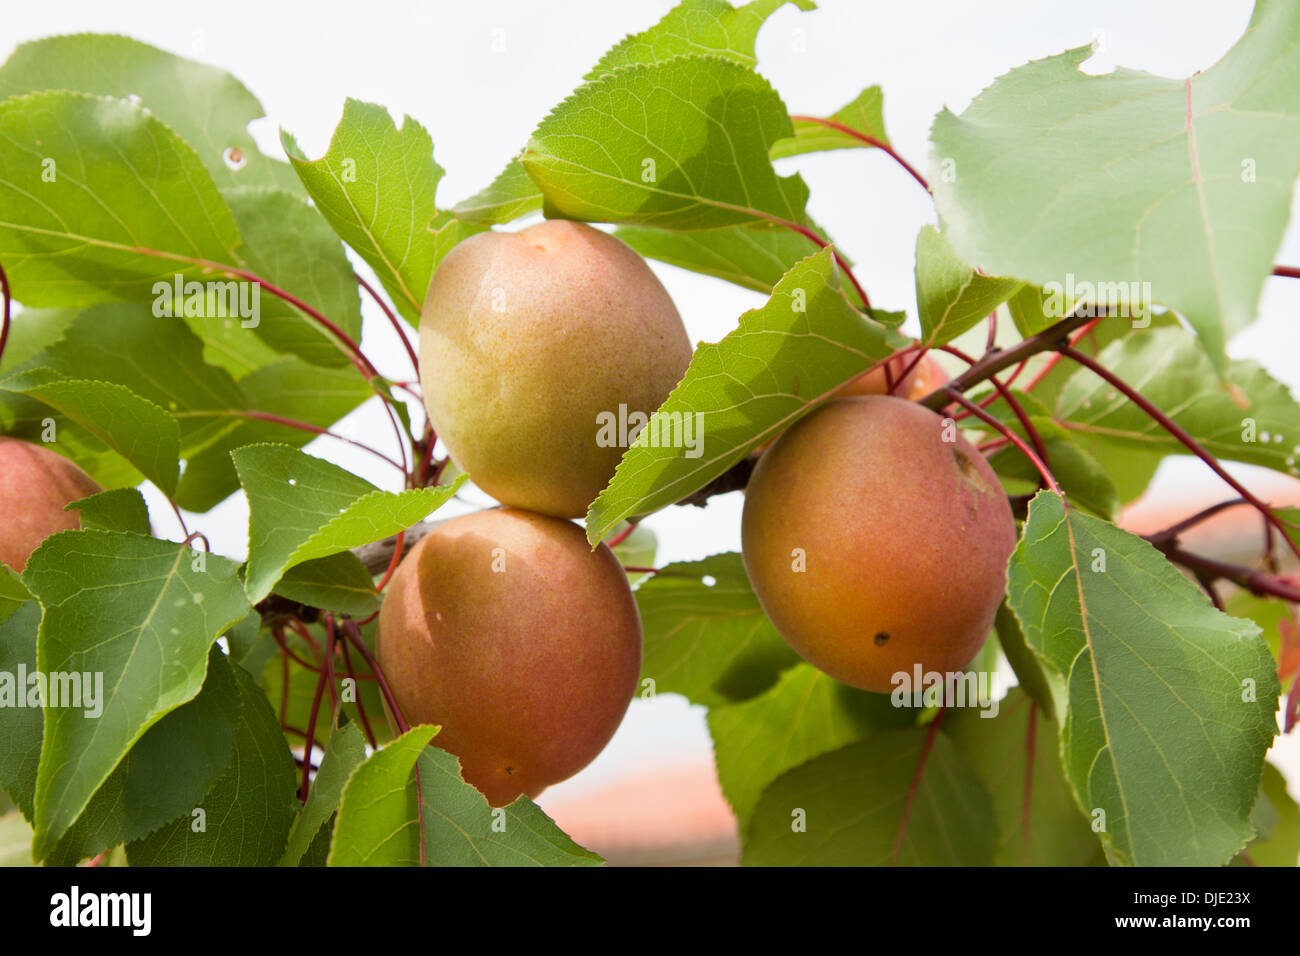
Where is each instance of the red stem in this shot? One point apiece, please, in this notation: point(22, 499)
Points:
point(1177, 431)
point(1291, 272)
point(361, 707)
point(353, 634)
point(1013, 403)
point(622, 536)
point(867, 139)
point(1015, 439)
point(4, 329)
point(396, 559)
point(394, 321)
point(311, 736)
point(914, 786)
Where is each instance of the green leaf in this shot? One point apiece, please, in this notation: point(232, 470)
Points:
point(1170, 702)
point(804, 715)
point(287, 243)
point(378, 820)
point(755, 257)
point(21, 730)
point(15, 840)
point(710, 27)
point(950, 295)
point(709, 642)
point(248, 811)
point(12, 593)
point(1279, 845)
point(783, 359)
point(289, 388)
point(888, 799)
point(121, 342)
point(637, 550)
point(137, 429)
point(122, 509)
point(206, 106)
point(1051, 831)
point(865, 114)
point(142, 614)
point(122, 184)
point(1128, 177)
point(680, 144)
point(339, 583)
point(301, 508)
point(164, 775)
point(1028, 668)
point(376, 186)
point(1169, 368)
point(344, 754)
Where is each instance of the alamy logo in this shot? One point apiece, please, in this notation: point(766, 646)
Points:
point(1129, 300)
point(937, 689)
point(72, 689)
point(209, 300)
point(76, 908)
point(660, 430)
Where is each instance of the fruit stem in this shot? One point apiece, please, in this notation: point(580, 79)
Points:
point(868, 140)
point(4, 329)
point(393, 320)
point(1015, 439)
point(1047, 340)
point(392, 565)
point(290, 423)
point(1177, 431)
point(353, 634)
point(1291, 272)
point(361, 707)
point(1013, 403)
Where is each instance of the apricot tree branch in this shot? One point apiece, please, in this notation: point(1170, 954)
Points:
point(1257, 582)
point(867, 140)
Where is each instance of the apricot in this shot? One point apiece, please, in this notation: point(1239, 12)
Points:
point(526, 340)
point(925, 376)
point(876, 539)
point(35, 484)
point(524, 644)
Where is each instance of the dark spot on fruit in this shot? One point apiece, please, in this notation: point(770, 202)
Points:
point(881, 639)
point(510, 771)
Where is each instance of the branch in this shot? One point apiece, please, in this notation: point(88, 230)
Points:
point(1257, 582)
point(866, 139)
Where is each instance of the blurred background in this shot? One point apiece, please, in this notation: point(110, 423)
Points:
point(480, 75)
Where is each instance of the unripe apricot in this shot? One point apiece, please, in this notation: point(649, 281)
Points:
point(35, 484)
point(526, 340)
point(876, 539)
point(505, 628)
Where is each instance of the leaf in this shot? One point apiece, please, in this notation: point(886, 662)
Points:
point(680, 144)
point(782, 360)
point(12, 593)
point(1028, 668)
point(344, 754)
point(140, 612)
point(709, 642)
point(339, 583)
point(289, 388)
point(1051, 831)
point(301, 508)
point(122, 509)
point(287, 243)
point(755, 257)
point(804, 715)
point(951, 296)
point(461, 829)
point(164, 775)
point(15, 840)
point(865, 114)
point(376, 186)
point(121, 342)
point(1169, 369)
point(711, 27)
point(1133, 178)
point(637, 550)
point(378, 822)
point(1170, 702)
point(862, 801)
point(130, 204)
point(1280, 845)
point(206, 106)
point(248, 810)
point(21, 730)
point(137, 429)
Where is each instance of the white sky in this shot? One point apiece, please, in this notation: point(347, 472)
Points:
point(480, 75)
